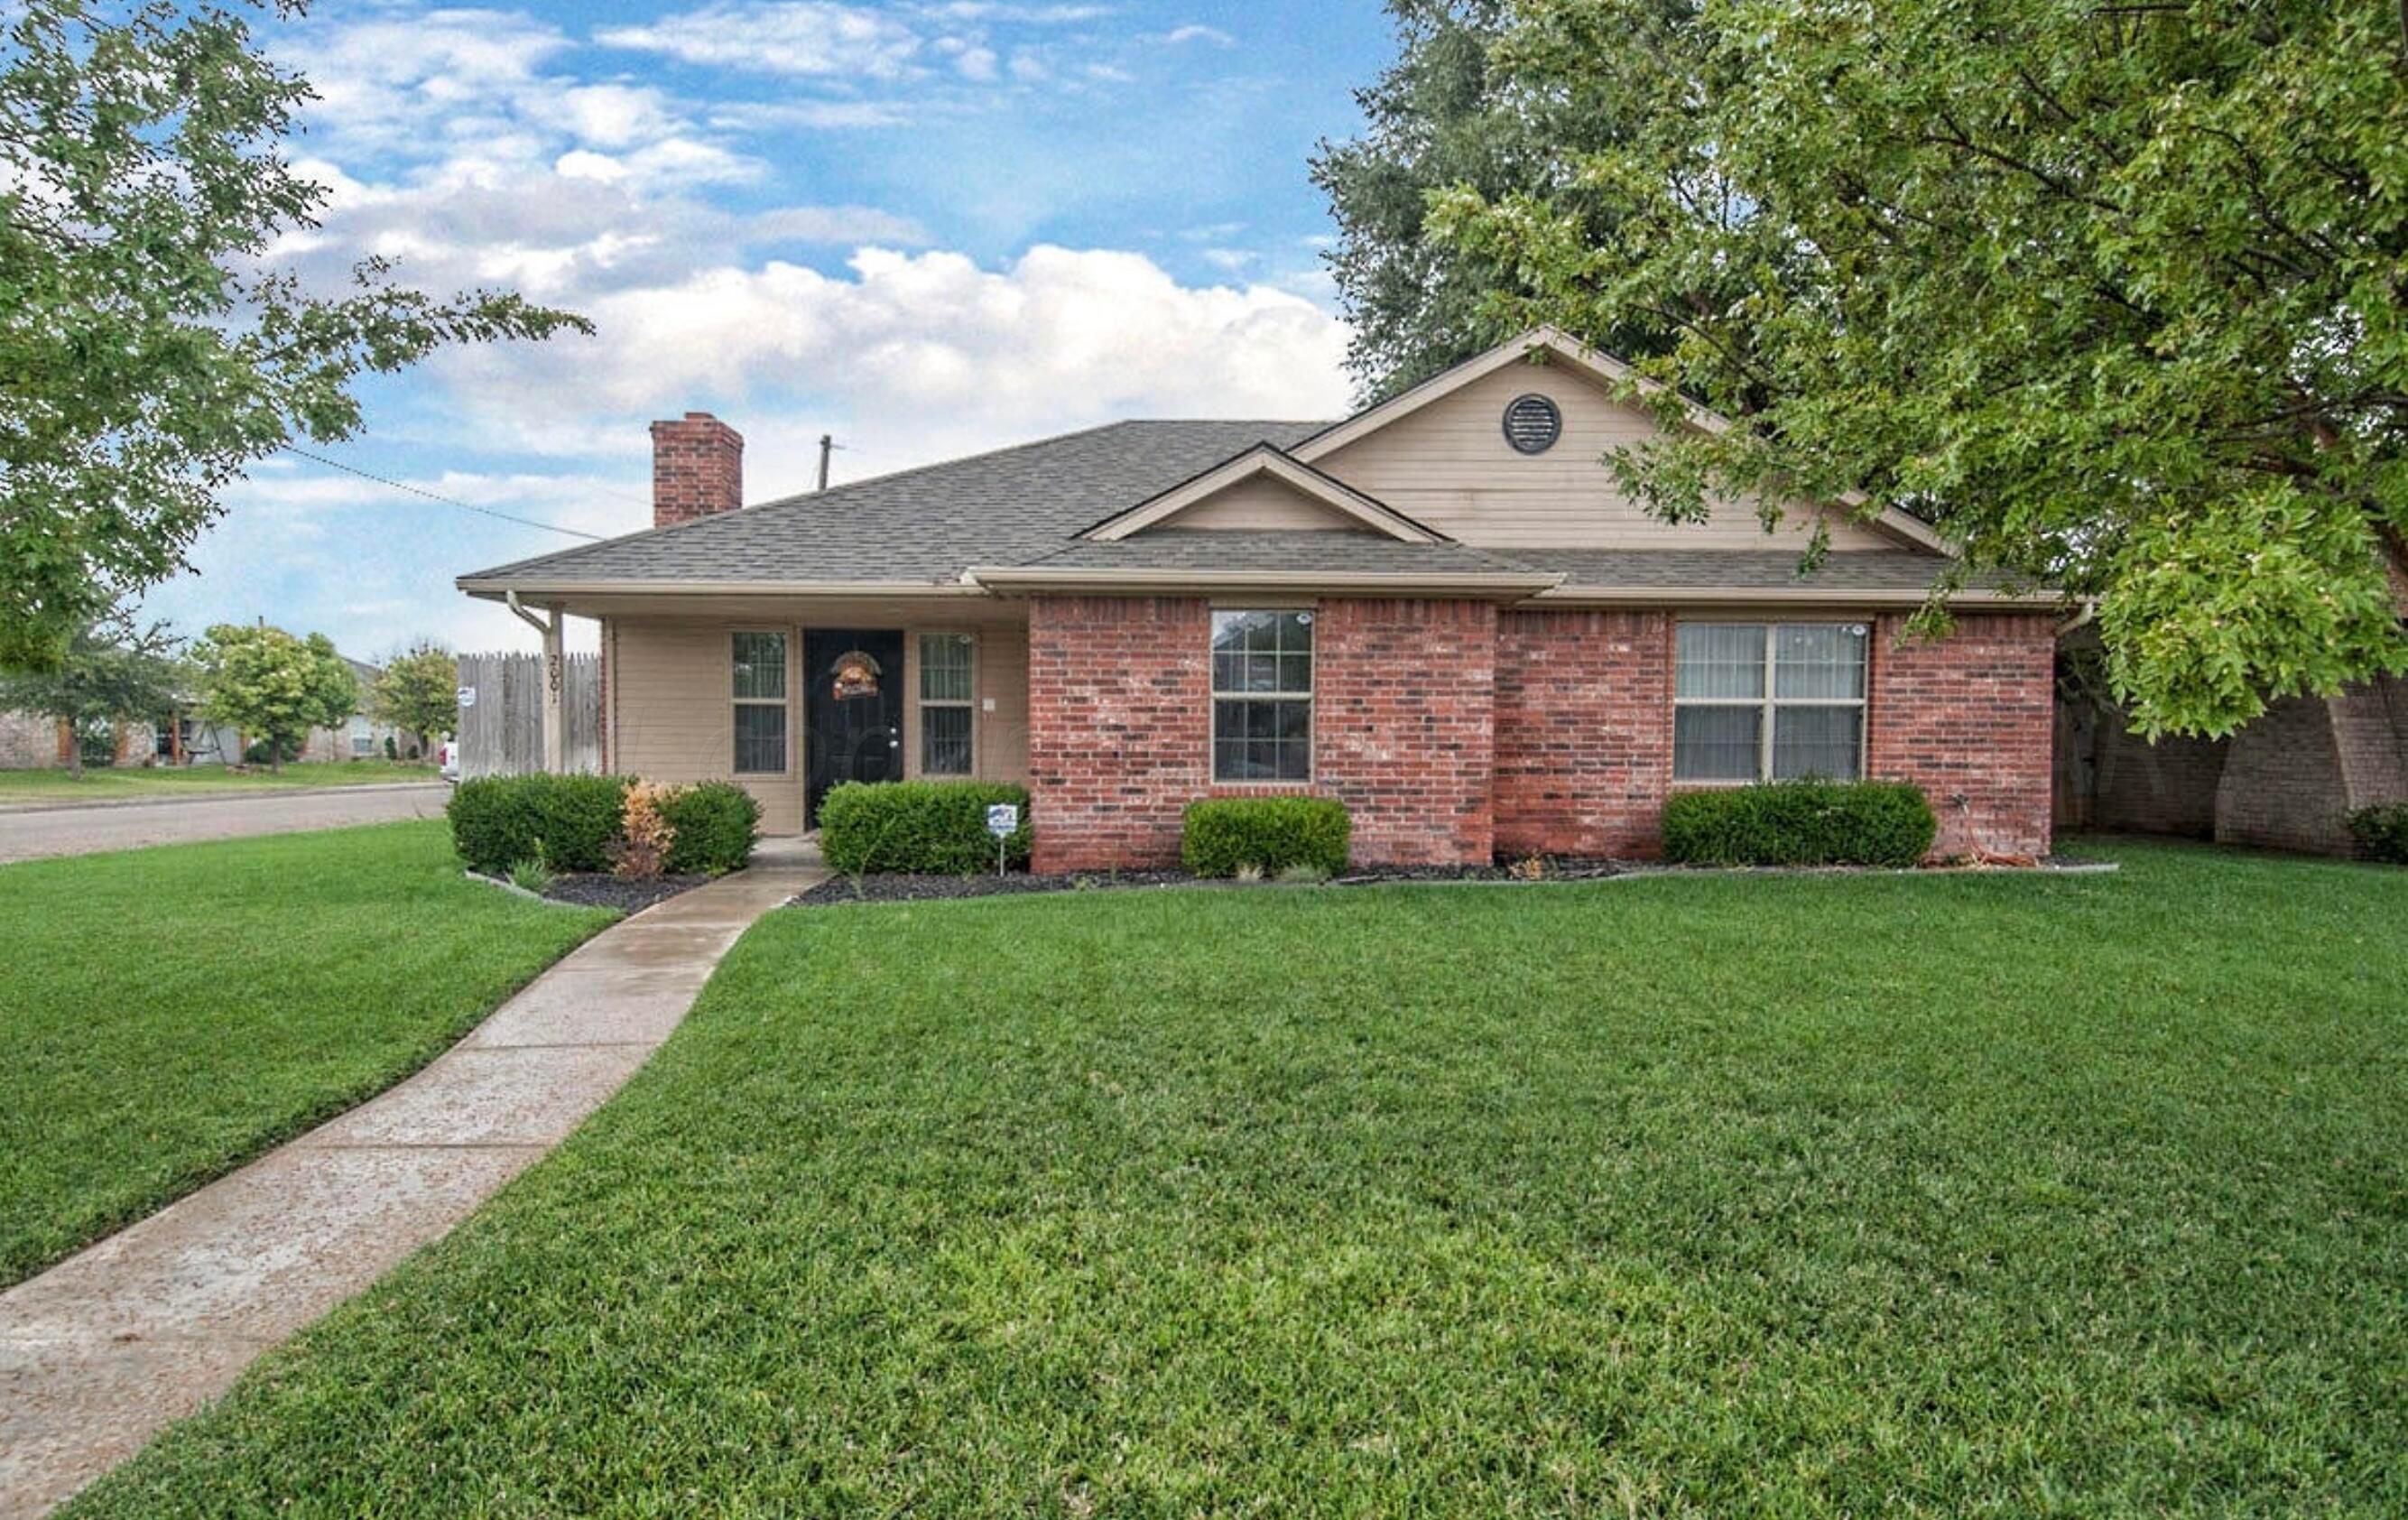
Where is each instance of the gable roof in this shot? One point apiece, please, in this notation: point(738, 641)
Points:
point(1265, 460)
point(924, 524)
point(1556, 345)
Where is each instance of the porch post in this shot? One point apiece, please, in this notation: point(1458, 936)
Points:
point(549, 626)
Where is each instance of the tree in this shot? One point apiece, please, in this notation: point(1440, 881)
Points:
point(267, 683)
point(145, 353)
point(420, 692)
point(2115, 295)
point(1443, 117)
point(112, 671)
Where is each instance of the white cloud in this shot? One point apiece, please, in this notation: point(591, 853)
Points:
point(1192, 33)
point(976, 62)
point(785, 36)
point(912, 357)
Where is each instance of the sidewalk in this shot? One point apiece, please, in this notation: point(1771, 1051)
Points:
point(101, 1350)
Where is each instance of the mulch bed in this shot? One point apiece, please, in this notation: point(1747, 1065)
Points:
point(598, 889)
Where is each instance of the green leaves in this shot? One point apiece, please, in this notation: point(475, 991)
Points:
point(2111, 295)
point(267, 683)
point(145, 357)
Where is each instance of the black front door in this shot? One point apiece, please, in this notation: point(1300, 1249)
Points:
point(852, 710)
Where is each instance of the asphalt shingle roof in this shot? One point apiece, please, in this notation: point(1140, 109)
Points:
point(1239, 551)
point(1751, 569)
point(929, 524)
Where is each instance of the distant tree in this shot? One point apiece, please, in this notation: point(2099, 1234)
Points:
point(146, 355)
point(1445, 116)
point(112, 671)
point(267, 683)
point(2115, 294)
point(420, 693)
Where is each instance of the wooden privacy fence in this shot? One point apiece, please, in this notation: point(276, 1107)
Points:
point(501, 725)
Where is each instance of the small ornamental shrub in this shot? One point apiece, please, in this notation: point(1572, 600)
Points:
point(532, 875)
point(1800, 823)
point(393, 751)
point(641, 851)
point(2381, 832)
point(261, 752)
point(1222, 835)
point(935, 827)
point(498, 821)
point(715, 825)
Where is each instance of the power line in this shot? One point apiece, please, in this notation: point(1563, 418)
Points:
point(448, 501)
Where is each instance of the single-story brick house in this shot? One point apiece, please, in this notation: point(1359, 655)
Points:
point(1440, 611)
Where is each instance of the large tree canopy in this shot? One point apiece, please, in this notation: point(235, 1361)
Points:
point(271, 685)
point(113, 669)
point(2114, 294)
point(1445, 116)
point(145, 354)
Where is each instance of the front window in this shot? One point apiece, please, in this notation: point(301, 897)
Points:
point(760, 690)
point(1758, 701)
point(362, 737)
point(1262, 697)
point(947, 684)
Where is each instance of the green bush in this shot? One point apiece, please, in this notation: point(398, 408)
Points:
point(498, 821)
point(936, 828)
point(1801, 823)
point(2381, 832)
point(716, 823)
point(1270, 834)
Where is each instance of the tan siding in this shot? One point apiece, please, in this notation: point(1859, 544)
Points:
point(676, 714)
point(1259, 503)
point(673, 712)
point(1448, 465)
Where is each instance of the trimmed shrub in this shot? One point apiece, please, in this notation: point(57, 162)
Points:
point(716, 823)
point(934, 828)
point(1801, 823)
point(2381, 832)
point(498, 821)
point(1270, 835)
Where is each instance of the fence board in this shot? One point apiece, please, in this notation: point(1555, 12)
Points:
point(501, 730)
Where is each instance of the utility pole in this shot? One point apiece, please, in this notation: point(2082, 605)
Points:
point(828, 445)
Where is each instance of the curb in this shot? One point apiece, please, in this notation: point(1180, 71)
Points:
point(236, 794)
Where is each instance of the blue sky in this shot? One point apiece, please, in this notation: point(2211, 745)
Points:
point(926, 227)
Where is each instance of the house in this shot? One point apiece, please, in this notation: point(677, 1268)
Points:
point(184, 738)
point(1439, 611)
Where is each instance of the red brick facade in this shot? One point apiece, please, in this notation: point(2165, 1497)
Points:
point(1403, 726)
point(698, 469)
point(1120, 726)
point(1454, 733)
point(1968, 717)
point(1583, 732)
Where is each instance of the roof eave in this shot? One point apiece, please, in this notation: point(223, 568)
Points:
point(1990, 598)
point(1470, 585)
point(493, 589)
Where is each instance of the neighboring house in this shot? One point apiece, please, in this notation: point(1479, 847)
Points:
point(1440, 611)
point(29, 742)
point(2287, 782)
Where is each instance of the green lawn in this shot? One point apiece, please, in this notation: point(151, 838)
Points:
point(1967, 1196)
point(168, 1013)
point(121, 783)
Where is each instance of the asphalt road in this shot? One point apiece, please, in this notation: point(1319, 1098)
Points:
point(82, 831)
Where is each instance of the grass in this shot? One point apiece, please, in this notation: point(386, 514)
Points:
point(121, 783)
point(1970, 1196)
point(168, 1013)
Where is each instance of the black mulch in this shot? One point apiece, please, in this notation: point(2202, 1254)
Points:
point(599, 890)
point(907, 888)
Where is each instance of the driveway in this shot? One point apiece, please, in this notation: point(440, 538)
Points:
point(30, 833)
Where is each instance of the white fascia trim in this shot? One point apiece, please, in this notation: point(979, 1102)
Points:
point(498, 590)
point(1478, 585)
point(1792, 596)
point(1601, 367)
point(1264, 459)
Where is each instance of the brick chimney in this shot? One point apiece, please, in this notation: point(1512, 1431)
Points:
point(698, 468)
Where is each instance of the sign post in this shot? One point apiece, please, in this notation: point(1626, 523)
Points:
point(1001, 819)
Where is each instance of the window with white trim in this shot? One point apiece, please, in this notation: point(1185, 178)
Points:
point(948, 687)
point(1755, 701)
point(760, 697)
point(1262, 697)
point(363, 736)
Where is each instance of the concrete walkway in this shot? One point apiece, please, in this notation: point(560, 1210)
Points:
point(101, 1350)
point(38, 830)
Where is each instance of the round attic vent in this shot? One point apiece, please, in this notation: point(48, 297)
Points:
point(1532, 423)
